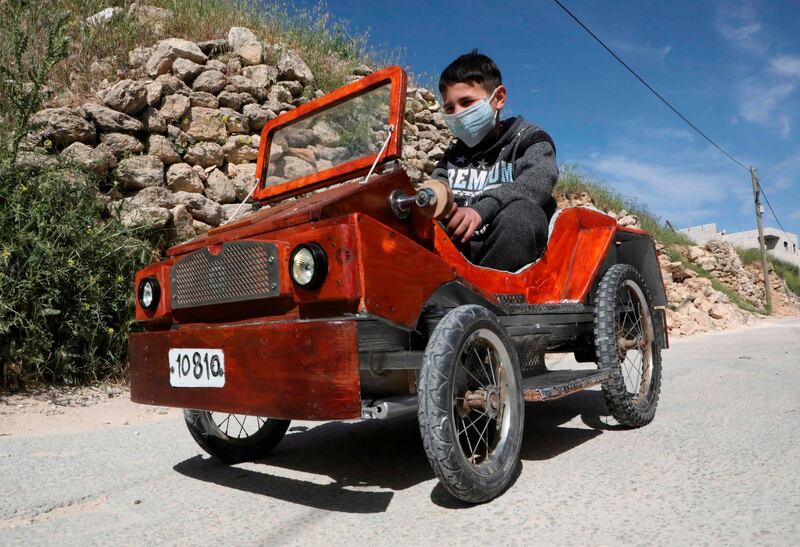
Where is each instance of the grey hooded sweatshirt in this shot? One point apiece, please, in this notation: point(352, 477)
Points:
point(520, 164)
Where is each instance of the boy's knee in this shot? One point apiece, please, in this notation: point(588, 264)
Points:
point(523, 219)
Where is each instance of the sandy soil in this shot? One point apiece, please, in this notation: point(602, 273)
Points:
point(74, 410)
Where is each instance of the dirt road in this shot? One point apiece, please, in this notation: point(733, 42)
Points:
point(720, 464)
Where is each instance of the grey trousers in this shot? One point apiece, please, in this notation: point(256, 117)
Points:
point(516, 236)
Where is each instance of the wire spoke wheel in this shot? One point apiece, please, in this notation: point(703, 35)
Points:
point(233, 438)
point(471, 411)
point(626, 341)
point(481, 396)
point(635, 339)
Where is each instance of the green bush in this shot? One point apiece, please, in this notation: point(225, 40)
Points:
point(65, 272)
point(66, 292)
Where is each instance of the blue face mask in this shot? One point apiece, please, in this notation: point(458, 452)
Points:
point(472, 124)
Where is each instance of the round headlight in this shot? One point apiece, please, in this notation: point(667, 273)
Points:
point(308, 265)
point(149, 293)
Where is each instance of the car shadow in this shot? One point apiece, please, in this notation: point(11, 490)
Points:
point(369, 461)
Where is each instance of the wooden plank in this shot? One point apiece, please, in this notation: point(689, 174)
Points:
point(560, 383)
point(296, 370)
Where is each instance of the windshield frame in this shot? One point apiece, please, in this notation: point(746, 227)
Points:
point(393, 75)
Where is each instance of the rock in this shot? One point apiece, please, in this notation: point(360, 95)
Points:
point(239, 36)
point(108, 154)
point(139, 172)
point(212, 46)
point(233, 66)
point(261, 77)
point(294, 168)
point(122, 144)
point(152, 120)
point(216, 64)
point(279, 94)
point(200, 207)
point(241, 149)
point(182, 178)
point(166, 51)
point(244, 181)
point(202, 227)
point(424, 116)
point(174, 108)
point(234, 122)
point(181, 225)
point(204, 99)
point(205, 154)
point(325, 134)
point(63, 126)
point(90, 158)
point(138, 56)
point(628, 220)
point(301, 138)
point(251, 53)
point(107, 119)
point(104, 16)
point(178, 137)
point(201, 172)
point(257, 116)
point(152, 17)
point(220, 188)
point(234, 101)
point(186, 70)
point(305, 154)
point(173, 84)
point(161, 148)
point(134, 215)
point(126, 96)
point(331, 154)
point(210, 81)
point(236, 211)
point(292, 67)
point(362, 70)
point(154, 92)
point(293, 87)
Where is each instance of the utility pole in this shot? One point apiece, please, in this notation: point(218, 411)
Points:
point(759, 212)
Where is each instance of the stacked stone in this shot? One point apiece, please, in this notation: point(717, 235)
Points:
point(182, 137)
point(723, 262)
point(425, 134)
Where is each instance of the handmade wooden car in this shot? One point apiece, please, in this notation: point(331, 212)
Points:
point(343, 297)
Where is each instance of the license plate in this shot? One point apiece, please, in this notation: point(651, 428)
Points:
point(196, 367)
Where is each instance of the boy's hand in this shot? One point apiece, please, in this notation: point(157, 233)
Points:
point(463, 222)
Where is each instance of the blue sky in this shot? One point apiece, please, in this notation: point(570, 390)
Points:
point(732, 67)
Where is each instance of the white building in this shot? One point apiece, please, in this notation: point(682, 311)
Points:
point(779, 244)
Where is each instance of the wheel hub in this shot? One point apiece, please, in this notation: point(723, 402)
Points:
point(486, 400)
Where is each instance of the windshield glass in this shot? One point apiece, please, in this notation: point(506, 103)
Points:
point(348, 131)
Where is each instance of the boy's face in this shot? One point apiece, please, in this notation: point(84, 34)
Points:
point(462, 95)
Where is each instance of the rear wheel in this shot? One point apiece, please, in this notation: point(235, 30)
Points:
point(625, 328)
point(234, 438)
point(471, 409)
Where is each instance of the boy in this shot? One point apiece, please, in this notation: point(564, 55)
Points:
point(502, 172)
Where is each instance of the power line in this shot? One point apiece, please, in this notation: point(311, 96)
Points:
point(648, 86)
point(669, 105)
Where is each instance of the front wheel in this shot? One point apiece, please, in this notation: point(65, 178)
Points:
point(471, 410)
point(234, 438)
point(627, 341)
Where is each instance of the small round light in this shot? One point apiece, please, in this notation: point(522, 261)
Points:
point(308, 265)
point(149, 293)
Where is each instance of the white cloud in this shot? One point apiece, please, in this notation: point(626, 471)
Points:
point(642, 50)
point(786, 65)
point(680, 195)
point(759, 99)
point(743, 36)
point(668, 133)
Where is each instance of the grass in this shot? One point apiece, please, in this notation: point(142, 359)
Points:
point(327, 45)
point(572, 181)
point(786, 270)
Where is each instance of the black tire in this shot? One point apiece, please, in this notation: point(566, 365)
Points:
point(443, 414)
point(622, 303)
point(233, 447)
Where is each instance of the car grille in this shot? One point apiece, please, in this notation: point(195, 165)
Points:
point(241, 271)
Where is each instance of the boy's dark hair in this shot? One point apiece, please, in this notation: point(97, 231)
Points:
point(471, 67)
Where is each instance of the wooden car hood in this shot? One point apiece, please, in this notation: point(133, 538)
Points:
point(352, 197)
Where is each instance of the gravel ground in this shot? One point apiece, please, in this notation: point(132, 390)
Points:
point(719, 465)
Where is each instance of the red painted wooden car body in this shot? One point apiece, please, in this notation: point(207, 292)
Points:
point(296, 354)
